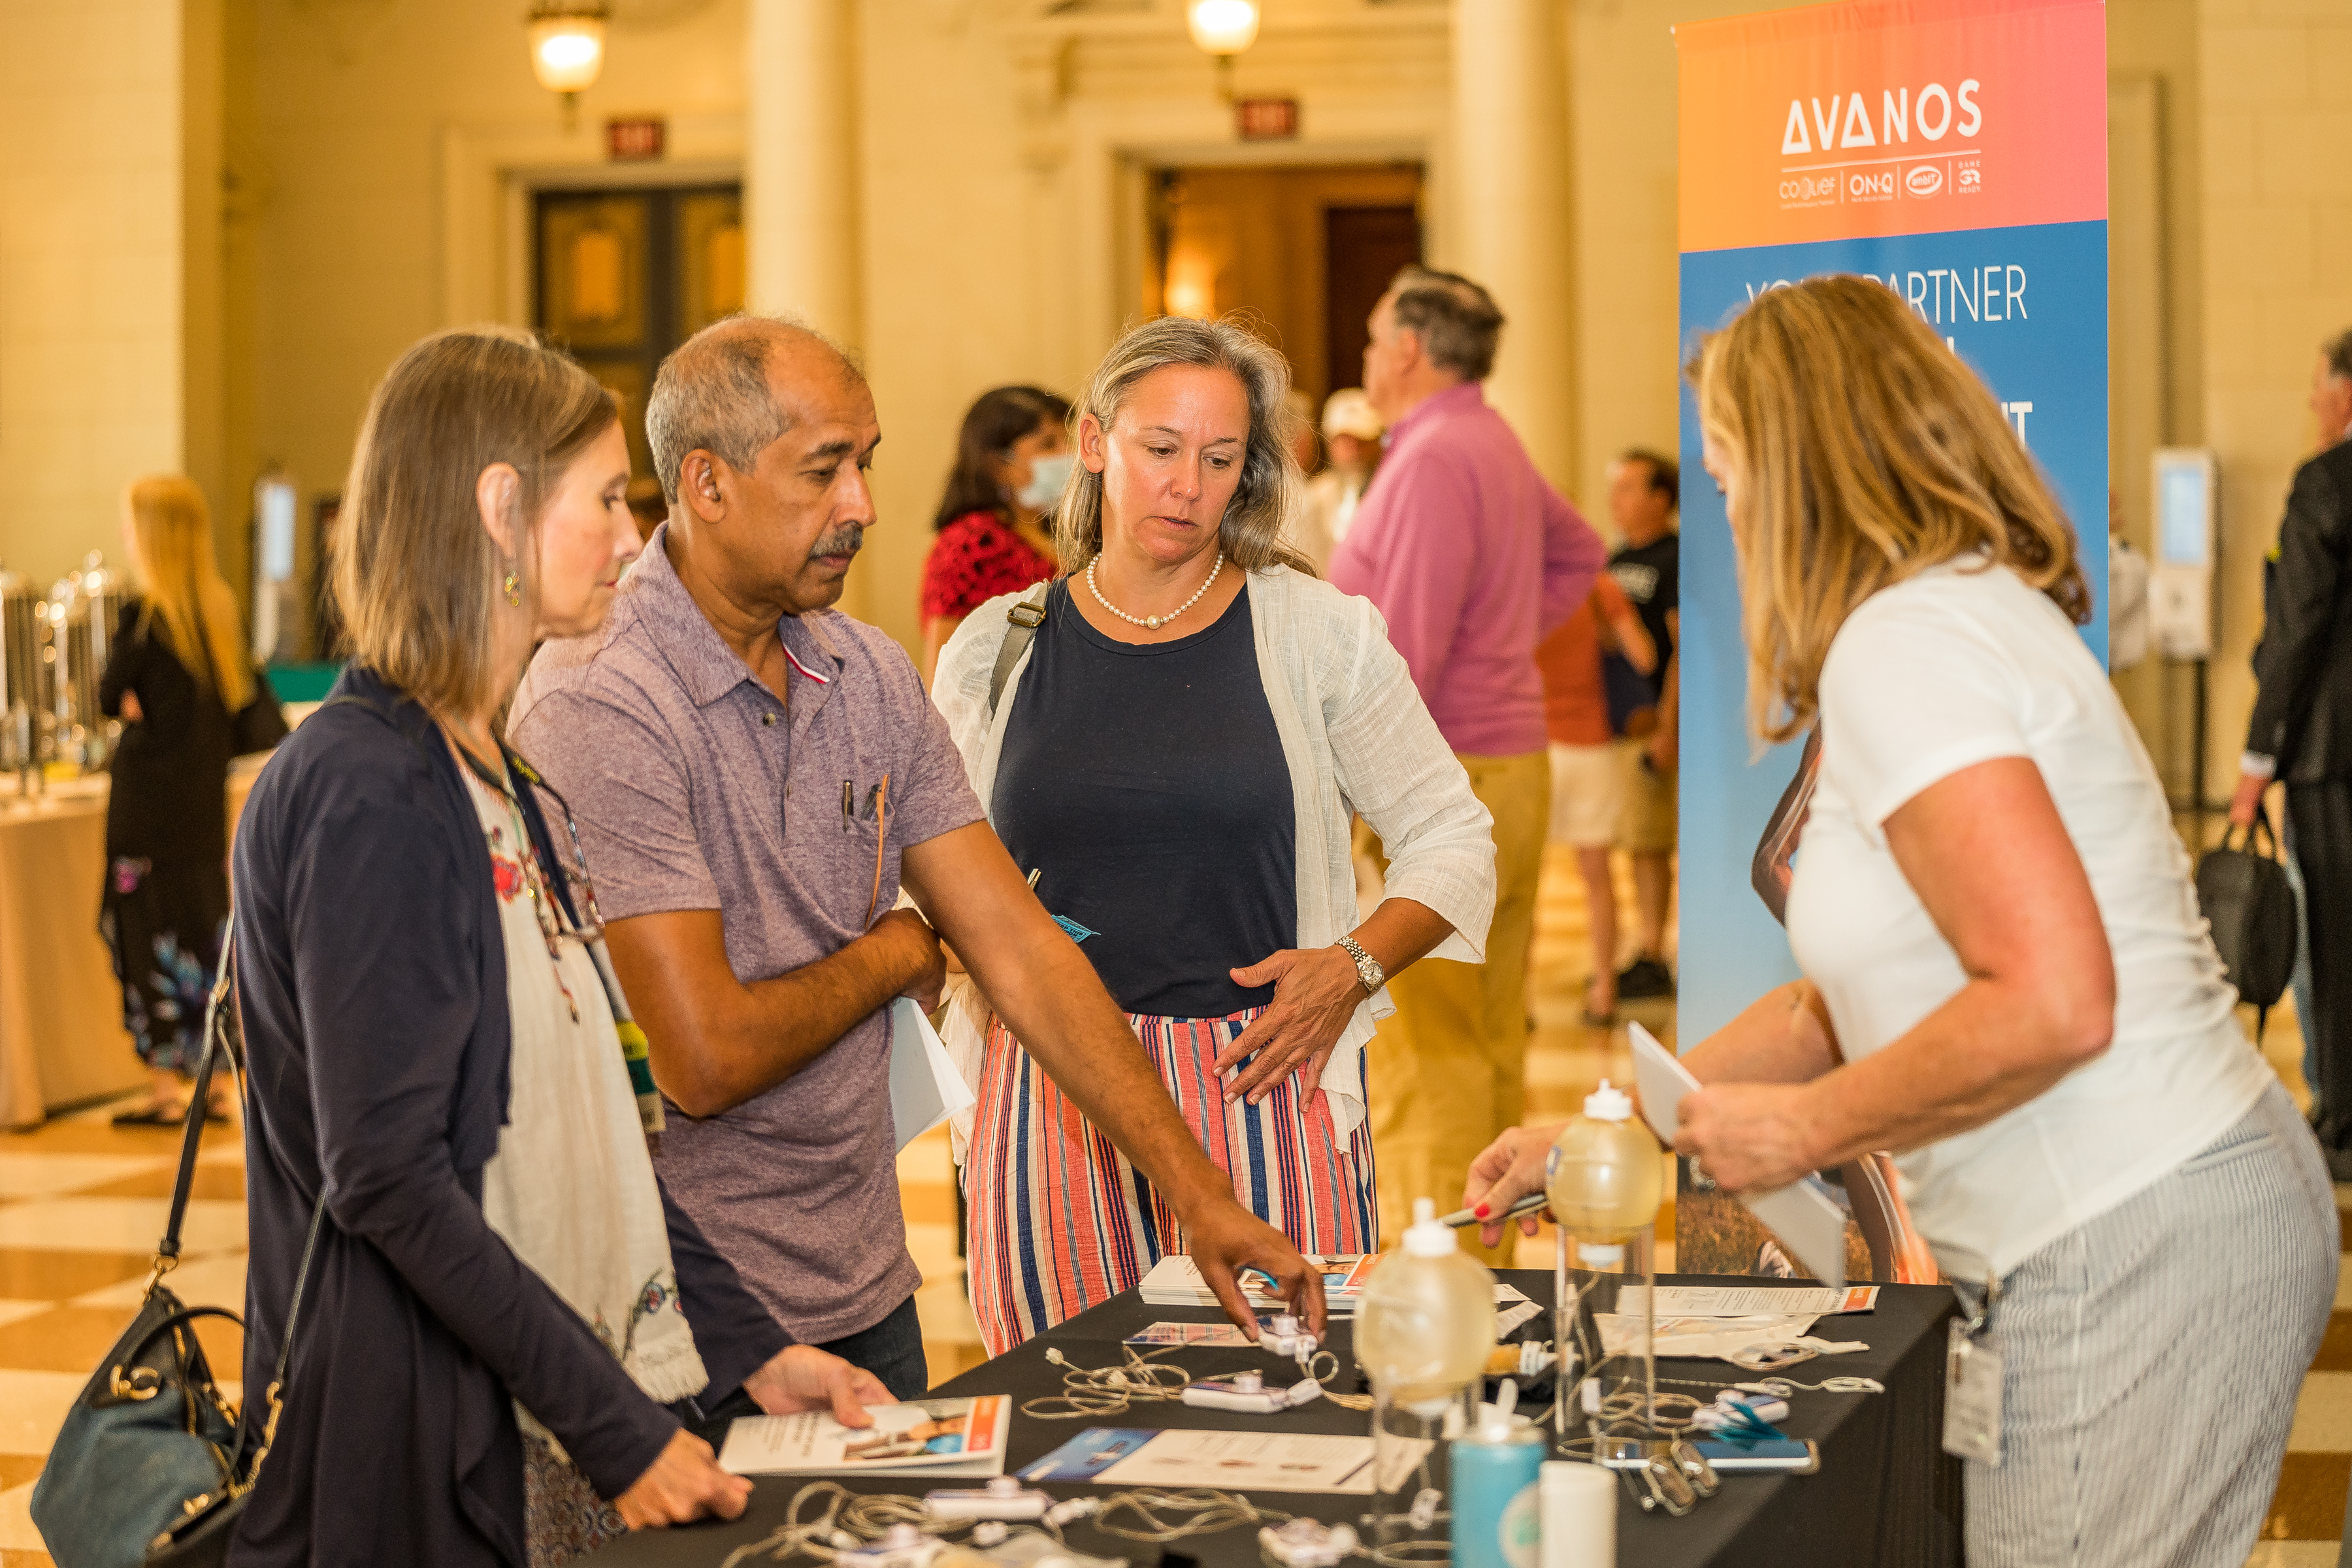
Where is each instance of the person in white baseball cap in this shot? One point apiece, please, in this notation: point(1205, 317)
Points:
point(1351, 438)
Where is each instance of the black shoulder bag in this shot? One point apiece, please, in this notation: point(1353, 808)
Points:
point(2250, 904)
point(150, 1468)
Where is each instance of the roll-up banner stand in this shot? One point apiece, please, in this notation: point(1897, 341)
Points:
point(1955, 150)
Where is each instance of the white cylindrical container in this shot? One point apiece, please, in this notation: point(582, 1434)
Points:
point(1579, 1515)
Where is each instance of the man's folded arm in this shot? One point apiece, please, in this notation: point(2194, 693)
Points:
point(717, 1042)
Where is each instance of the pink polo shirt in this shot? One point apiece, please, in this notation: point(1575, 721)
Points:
point(1472, 558)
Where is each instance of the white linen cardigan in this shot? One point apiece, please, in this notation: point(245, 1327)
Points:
point(1355, 734)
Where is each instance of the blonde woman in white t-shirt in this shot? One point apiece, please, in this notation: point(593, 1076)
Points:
point(2007, 980)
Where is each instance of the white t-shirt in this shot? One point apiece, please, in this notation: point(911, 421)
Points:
point(1955, 667)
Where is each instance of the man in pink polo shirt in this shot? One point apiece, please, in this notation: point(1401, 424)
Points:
point(1472, 557)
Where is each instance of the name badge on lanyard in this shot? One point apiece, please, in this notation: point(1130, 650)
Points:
point(1972, 1366)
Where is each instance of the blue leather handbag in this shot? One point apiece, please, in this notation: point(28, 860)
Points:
point(149, 1469)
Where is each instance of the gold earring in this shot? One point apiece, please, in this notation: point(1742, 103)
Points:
point(513, 588)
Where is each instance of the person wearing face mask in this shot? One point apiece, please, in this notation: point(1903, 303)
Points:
point(505, 1322)
point(1172, 757)
point(1013, 456)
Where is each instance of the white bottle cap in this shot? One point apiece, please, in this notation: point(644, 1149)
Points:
point(1607, 1104)
point(1425, 1237)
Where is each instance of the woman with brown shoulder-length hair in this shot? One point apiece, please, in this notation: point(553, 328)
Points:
point(2007, 982)
point(507, 1324)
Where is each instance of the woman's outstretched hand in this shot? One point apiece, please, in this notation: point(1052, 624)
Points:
point(684, 1484)
point(1316, 992)
point(1510, 1168)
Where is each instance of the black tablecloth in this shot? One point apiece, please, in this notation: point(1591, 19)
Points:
point(1885, 1494)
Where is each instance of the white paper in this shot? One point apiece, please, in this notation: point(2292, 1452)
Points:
point(926, 1089)
point(1746, 1302)
point(814, 1443)
point(1248, 1461)
point(1810, 1225)
point(1175, 1282)
point(1700, 1336)
point(1663, 1081)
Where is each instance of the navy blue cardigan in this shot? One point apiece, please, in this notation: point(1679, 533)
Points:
point(372, 973)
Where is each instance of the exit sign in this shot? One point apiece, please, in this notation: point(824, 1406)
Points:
point(634, 141)
point(1266, 118)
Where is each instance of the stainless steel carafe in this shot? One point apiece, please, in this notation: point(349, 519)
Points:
point(84, 610)
point(24, 638)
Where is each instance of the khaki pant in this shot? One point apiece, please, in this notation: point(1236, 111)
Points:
point(1448, 1070)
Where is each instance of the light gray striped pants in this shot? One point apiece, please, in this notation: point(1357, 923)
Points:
point(2152, 1357)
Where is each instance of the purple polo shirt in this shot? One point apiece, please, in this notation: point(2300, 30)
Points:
point(1472, 558)
point(694, 788)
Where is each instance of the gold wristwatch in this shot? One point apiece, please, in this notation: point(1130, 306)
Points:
point(1368, 972)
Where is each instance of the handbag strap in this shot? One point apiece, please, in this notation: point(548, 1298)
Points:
point(2261, 825)
point(285, 1351)
point(192, 1133)
point(220, 1006)
point(1026, 614)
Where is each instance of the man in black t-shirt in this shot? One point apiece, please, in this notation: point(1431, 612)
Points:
point(1644, 493)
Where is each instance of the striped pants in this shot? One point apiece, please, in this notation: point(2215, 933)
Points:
point(1060, 1221)
point(2151, 1360)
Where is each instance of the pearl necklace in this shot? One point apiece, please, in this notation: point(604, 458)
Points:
point(1152, 623)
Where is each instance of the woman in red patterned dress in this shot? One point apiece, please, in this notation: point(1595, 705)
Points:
point(1011, 461)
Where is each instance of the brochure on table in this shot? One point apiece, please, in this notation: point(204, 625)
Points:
point(1175, 1282)
point(1229, 1461)
point(931, 1437)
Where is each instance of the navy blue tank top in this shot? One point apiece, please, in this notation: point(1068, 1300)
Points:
point(1148, 785)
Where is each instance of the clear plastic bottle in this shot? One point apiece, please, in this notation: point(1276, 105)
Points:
point(1427, 1319)
point(1604, 1177)
point(1423, 1332)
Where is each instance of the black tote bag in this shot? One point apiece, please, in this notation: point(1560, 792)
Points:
point(2250, 906)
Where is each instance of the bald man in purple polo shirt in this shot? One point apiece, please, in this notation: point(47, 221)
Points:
point(753, 776)
point(1473, 558)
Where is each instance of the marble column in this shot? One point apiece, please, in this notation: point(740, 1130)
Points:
point(800, 175)
point(1511, 227)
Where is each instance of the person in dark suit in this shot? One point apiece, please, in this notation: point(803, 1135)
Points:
point(2302, 732)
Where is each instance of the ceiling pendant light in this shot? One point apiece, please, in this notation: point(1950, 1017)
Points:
point(567, 47)
point(1222, 28)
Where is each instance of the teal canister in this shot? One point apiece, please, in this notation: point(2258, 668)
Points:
point(1497, 1516)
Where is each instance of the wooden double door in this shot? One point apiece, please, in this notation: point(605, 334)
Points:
point(622, 276)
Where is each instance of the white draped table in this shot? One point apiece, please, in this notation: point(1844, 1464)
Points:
point(61, 1037)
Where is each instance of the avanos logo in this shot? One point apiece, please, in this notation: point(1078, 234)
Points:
point(1923, 181)
point(1932, 114)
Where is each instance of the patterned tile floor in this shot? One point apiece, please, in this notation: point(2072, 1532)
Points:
point(81, 1204)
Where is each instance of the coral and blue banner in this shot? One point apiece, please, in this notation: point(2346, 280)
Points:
point(1956, 150)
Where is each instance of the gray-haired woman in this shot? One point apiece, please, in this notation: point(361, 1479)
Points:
point(1173, 758)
